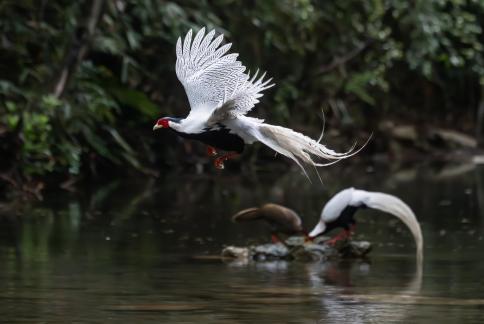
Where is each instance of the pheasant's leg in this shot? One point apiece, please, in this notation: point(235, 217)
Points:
point(343, 235)
point(219, 162)
point(211, 151)
point(275, 239)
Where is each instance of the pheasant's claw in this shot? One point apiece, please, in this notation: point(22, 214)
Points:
point(219, 163)
point(344, 235)
point(211, 151)
point(332, 241)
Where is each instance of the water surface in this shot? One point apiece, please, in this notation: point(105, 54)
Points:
point(123, 251)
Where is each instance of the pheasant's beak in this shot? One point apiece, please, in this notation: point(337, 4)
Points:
point(308, 239)
point(157, 126)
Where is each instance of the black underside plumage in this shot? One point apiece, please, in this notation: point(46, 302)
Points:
point(220, 138)
point(345, 220)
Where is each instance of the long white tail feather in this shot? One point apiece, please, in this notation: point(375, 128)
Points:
point(323, 117)
point(298, 147)
point(349, 153)
point(395, 206)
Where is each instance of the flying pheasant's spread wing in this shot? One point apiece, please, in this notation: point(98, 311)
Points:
point(248, 92)
point(213, 79)
point(205, 70)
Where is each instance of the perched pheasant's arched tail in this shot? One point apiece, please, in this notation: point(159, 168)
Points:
point(395, 206)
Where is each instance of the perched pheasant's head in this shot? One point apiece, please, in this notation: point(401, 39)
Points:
point(320, 229)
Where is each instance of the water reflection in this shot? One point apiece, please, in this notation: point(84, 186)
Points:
point(120, 252)
point(370, 306)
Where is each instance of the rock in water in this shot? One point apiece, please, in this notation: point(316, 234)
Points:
point(235, 252)
point(297, 249)
point(314, 252)
point(355, 249)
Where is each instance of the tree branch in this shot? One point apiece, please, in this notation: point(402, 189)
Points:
point(79, 48)
point(338, 61)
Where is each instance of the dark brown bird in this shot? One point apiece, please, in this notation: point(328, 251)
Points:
point(281, 220)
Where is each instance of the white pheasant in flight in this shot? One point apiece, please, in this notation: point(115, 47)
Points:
point(220, 94)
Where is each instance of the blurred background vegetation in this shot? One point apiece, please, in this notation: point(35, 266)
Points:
point(82, 82)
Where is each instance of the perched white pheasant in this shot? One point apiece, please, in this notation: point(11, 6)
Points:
point(340, 209)
point(221, 93)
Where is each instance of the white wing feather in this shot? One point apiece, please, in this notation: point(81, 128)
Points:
point(247, 93)
point(211, 77)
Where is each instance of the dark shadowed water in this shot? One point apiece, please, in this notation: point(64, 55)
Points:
point(123, 251)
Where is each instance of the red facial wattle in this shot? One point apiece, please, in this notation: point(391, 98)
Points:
point(163, 122)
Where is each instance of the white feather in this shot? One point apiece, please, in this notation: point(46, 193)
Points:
point(394, 206)
point(318, 229)
point(297, 146)
point(335, 206)
point(208, 72)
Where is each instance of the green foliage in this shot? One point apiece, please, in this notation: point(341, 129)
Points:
point(341, 54)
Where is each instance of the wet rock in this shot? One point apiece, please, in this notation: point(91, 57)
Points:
point(297, 249)
point(314, 252)
point(453, 137)
point(295, 241)
point(235, 252)
point(269, 251)
point(355, 249)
